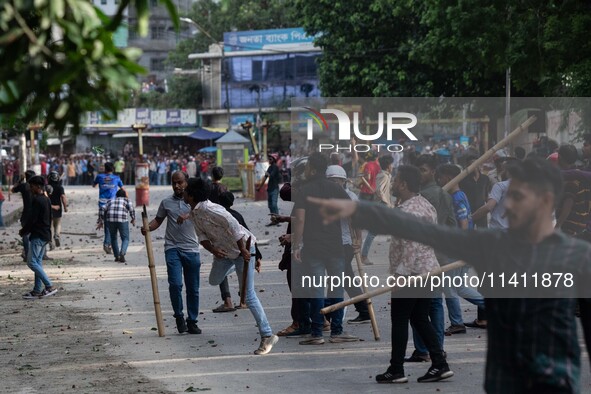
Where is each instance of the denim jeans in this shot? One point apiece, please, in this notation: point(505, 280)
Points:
point(35, 263)
point(179, 262)
point(438, 323)
point(452, 301)
point(162, 179)
point(316, 267)
point(222, 267)
point(123, 229)
point(272, 195)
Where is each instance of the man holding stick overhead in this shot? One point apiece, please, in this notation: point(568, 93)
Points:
point(233, 247)
point(533, 346)
point(181, 251)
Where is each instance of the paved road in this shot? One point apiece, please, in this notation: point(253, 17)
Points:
point(221, 358)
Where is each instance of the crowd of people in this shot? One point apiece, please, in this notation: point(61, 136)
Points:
point(529, 211)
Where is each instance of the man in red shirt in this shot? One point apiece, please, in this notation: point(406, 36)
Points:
point(367, 192)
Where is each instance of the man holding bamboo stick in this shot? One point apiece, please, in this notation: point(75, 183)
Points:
point(533, 346)
point(181, 251)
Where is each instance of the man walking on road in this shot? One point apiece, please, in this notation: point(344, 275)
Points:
point(181, 251)
point(108, 184)
point(38, 228)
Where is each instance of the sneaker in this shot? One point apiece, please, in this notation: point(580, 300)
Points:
point(365, 261)
point(51, 247)
point(391, 377)
point(342, 337)
point(57, 242)
point(313, 341)
point(122, 258)
point(361, 319)
point(455, 330)
point(32, 295)
point(418, 358)
point(435, 374)
point(116, 259)
point(47, 258)
point(49, 291)
point(267, 344)
point(181, 326)
point(192, 327)
point(107, 249)
point(299, 333)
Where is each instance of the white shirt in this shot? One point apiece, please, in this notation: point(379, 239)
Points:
point(213, 223)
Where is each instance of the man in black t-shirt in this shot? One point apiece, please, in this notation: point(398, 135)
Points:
point(38, 228)
point(58, 200)
point(274, 176)
point(25, 190)
point(318, 251)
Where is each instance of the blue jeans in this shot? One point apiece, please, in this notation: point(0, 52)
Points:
point(179, 262)
point(35, 263)
point(272, 200)
point(452, 301)
point(317, 267)
point(123, 229)
point(223, 267)
point(162, 179)
point(438, 323)
point(367, 244)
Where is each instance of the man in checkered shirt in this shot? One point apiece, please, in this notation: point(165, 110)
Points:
point(116, 214)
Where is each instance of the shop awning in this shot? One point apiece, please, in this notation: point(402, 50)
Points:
point(206, 134)
point(153, 134)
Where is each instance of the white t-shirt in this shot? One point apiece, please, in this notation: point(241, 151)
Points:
point(497, 215)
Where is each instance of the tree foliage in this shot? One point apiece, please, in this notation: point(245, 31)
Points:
point(183, 92)
point(63, 61)
point(450, 47)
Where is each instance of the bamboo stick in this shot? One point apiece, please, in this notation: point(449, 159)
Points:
point(157, 308)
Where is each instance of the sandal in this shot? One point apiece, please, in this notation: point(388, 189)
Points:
point(288, 330)
point(223, 308)
point(475, 324)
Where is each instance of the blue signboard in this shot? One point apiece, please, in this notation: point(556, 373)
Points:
point(266, 39)
point(173, 116)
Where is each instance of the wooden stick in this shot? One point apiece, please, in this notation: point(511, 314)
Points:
point(157, 309)
point(367, 184)
point(245, 275)
point(489, 153)
point(371, 294)
point(372, 315)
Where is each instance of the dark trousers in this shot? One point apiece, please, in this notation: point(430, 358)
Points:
point(300, 309)
point(417, 311)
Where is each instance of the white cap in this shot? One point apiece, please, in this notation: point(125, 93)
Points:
point(335, 171)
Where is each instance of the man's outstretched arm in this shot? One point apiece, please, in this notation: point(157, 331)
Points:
point(474, 247)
